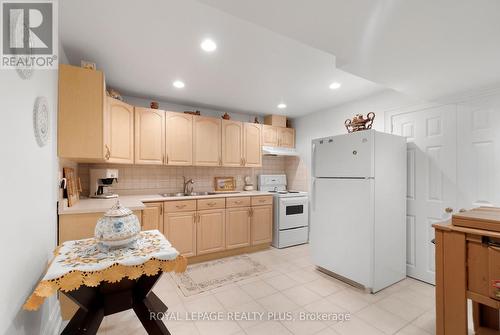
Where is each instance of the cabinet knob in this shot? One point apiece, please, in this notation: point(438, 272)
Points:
point(461, 210)
point(448, 210)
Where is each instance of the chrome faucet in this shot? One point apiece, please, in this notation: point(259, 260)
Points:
point(188, 185)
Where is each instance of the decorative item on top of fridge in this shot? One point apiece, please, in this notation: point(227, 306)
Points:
point(359, 122)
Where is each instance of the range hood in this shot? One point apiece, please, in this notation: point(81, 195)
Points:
point(278, 151)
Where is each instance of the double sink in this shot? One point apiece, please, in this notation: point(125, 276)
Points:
point(194, 194)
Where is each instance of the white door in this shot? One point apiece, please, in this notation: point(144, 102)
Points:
point(431, 184)
point(342, 227)
point(479, 152)
point(349, 156)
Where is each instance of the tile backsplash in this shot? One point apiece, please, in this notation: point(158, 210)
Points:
point(143, 179)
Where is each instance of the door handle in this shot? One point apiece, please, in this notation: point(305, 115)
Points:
point(313, 196)
point(448, 210)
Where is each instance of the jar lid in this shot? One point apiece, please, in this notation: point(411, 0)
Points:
point(118, 210)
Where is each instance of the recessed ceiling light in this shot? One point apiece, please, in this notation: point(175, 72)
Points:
point(335, 85)
point(281, 106)
point(208, 45)
point(178, 84)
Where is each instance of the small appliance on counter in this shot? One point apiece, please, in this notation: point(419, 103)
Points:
point(248, 184)
point(101, 181)
point(291, 219)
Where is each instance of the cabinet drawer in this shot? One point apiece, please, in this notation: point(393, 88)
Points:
point(238, 202)
point(494, 271)
point(217, 203)
point(262, 200)
point(180, 206)
point(477, 261)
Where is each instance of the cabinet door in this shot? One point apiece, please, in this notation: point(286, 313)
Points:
point(232, 143)
point(180, 230)
point(262, 224)
point(286, 137)
point(149, 136)
point(82, 101)
point(207, 141)
point(269, 136)
point(152, 216)
point(237, 227)
point(179, 139)
point(252, 147)
point(119, 132)
point(210, 231)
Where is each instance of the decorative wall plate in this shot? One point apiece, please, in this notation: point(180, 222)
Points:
point(41, 120)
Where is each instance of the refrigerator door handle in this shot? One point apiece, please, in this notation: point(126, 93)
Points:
point(313, 194)
point(313, 159)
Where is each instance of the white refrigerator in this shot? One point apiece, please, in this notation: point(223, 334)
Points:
point(358, 216)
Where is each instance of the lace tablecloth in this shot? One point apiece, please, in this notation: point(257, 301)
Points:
point(81, 262)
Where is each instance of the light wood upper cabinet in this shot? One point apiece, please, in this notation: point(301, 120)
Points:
point(119, 132)
point(262, 224)
point(149, 136)
point(237, 227)
point(152, 216)
point(232, 143)
point(179, 139)
point(211, 231)
point(286, 137)
point(180, 229)
point(80, 118)
point(206, 141)
point(278, 136)
point(270, 136)
point(252, 145)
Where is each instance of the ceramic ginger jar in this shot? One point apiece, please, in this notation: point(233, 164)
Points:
point(118, 228)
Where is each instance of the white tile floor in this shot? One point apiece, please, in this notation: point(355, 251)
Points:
point(292, 284)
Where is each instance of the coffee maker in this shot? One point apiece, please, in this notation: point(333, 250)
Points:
point(101, 181)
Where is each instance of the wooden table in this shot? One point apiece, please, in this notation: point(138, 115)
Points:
point(109, 298)
point(467, 262)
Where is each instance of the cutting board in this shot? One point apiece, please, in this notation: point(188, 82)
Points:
point(73, 186)
point(487, 218)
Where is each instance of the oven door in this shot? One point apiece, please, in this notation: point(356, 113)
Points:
point(293, 212)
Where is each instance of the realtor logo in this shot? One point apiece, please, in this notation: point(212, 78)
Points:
point(29, 37)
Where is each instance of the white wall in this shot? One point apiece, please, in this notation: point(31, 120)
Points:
point(331, 122)
point(28, 198)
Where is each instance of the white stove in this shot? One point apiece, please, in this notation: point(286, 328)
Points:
point(291, 208)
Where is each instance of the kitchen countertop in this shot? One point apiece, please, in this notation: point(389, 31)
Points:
point(136, 202)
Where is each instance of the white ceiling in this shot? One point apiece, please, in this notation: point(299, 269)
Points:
point(143, 46)
point(427, 49)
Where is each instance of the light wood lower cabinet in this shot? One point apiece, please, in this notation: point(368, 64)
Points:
point(180, 229)
point(237, 227)
point(211, 231)
point(262, 224)
point(79, 226)
point(152, 216)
